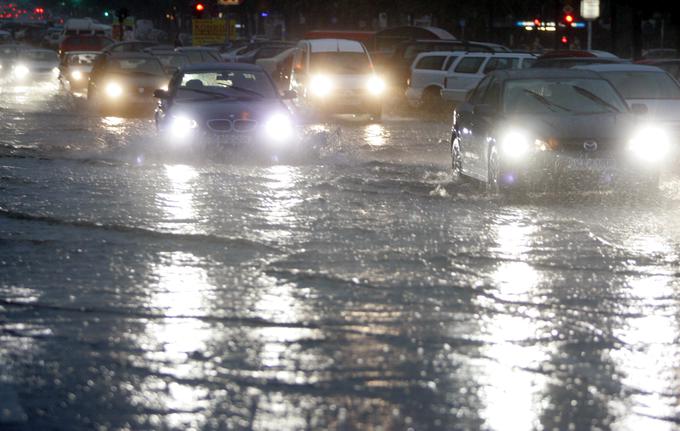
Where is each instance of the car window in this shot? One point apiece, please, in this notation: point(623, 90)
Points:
point(469, 64)
point(343, 63)
point(450, 61)
point(270, 51)
point(431, 62)
point(144, 66)
point(172, 60)
point(501, 63)
point(478, 93)
point(573, 96)
point(236, 83)
point(194, 56)
point(80, 59)
point(644, 85)
point(492, 93)
point(528, 62)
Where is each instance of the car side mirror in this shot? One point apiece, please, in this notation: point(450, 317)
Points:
point(639, 108)
point(289, 94)
point(161, 94)
point(484, 110)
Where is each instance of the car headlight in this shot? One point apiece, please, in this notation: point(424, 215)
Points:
point(181, 126)
point(375, 85)
point(279, 127)
point(77, 75)
point(114, 90)
point(20, 71)
point(320, 85)
point(55, 71)
point(650, 144)
point(515, 144)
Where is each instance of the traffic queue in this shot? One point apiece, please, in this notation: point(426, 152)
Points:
point(522, 122)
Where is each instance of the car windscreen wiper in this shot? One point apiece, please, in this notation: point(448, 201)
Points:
point(209, 93)
point(595, 98)
point(545, 101)
point(246, 90)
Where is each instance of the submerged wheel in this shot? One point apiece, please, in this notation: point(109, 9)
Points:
point(456, 159)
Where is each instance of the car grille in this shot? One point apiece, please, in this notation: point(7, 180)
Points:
point(577, 147)
point(224, 125)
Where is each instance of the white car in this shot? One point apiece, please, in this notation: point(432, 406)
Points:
point(467, 70)
point(336, 76)
point(36, 65)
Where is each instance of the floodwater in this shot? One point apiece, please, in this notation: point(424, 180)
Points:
point(358, 287)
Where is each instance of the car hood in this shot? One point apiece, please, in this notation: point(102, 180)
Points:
point(664, 110)
point(606, 126)
point(254, 109)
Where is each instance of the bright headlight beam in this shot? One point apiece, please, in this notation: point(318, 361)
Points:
point(375, 85)
point(21, 71)
point(181, 126)
point(320, 85)
point(650, 144)
point(515, 144)
point(114, 90)
point(279, 127)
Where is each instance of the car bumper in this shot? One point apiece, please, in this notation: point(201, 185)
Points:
point(350, 104)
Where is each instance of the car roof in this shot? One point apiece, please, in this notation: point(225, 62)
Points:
point(205, 67)
point(617, 67)
point(544, 73)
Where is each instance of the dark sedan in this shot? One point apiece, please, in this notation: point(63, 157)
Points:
point(534, 128)
point(228, 104)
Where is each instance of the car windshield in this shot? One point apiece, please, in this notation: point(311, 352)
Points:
point(343, 63)
point(644, 85)
point(40, 55)
point(172, 60)
point(227, 83)
point(575, 95)
point(84, 59)
point(194, 56)
point(143, 66)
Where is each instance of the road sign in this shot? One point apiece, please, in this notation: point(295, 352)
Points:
point(207, 31)
point(590, 9)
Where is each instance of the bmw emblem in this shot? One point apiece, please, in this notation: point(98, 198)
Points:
point(590, 146)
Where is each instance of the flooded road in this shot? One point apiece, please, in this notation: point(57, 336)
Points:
point(358, 288)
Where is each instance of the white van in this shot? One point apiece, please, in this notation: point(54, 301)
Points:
point(465, 73)
point(447, 74)
point(336, 76)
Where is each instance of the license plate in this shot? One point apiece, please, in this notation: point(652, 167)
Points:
point(234, 139)
point(584, 164)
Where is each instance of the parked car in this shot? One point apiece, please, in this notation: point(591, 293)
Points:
point(199, 54)
point(75, 69)
point(123, 81)
point(336, 76)
point(569, 58)
point(36, 65)
point(397, 66)
point(224, 104)
point(538, 128)
point(262, 50)
point(469, 68)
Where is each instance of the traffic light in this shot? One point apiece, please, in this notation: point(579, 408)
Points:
point(569, 18)
point(564, 40)
point(199, 9)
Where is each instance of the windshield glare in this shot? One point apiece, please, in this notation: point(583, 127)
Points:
point(342, 63)
point(580, 96)
point(80, 59)
point(228, 83)
point(644, 85)
point(138, 65)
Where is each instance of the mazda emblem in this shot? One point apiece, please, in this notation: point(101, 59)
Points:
point(590, 146)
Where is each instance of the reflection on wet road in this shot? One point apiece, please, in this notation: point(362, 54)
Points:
point(359, 288)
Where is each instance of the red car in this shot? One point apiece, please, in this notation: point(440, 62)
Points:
point(84, 43)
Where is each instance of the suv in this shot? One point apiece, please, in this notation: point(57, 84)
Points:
point(336, 76)
point(468, 69)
